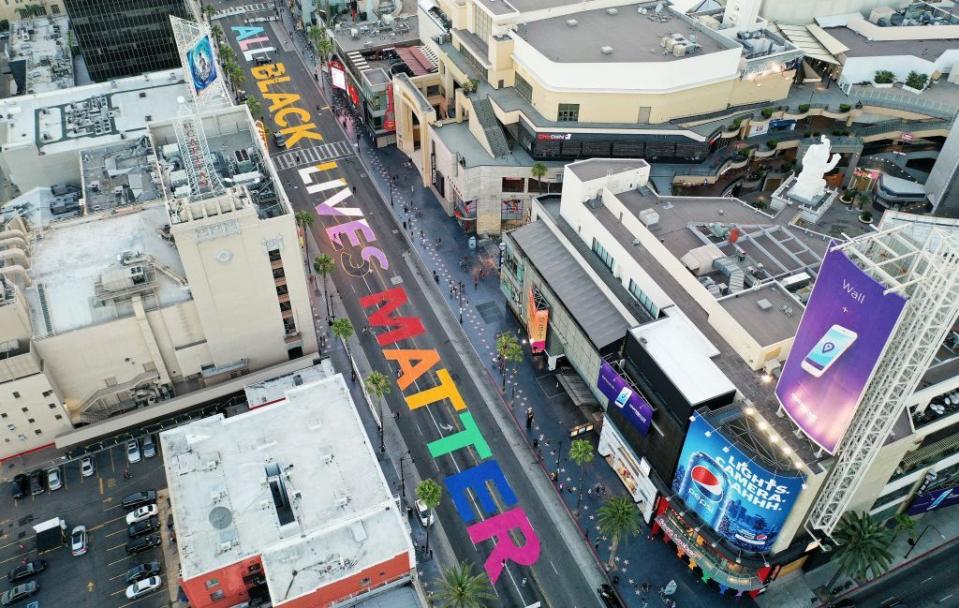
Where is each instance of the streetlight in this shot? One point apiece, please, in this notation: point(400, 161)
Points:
point(914, 543)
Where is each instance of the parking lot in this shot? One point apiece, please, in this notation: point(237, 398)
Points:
point(97, 578)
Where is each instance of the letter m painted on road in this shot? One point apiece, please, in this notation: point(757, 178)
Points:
point(391, 299)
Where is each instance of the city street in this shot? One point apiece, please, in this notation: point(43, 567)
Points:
point(565, 573)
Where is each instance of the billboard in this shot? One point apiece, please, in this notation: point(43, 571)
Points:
point(934, 499)
point(536, 322)
point(843, 332)
point(337, 75)
point(202, 64)
point(741, 500)
point(633, 406)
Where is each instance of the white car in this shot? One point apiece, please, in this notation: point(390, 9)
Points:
point(144, 512)
point(86, 467)
point(53, 479)
point(78, 540)
point(144, 587)
point(426, 516)
point(133, 451)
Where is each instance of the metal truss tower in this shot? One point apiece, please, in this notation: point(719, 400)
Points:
point(928, 274)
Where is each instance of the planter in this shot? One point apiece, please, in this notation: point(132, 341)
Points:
point(865, 218)
point(912, 90)
point(882, 85)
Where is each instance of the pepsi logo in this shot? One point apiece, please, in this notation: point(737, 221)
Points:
point(707, 482)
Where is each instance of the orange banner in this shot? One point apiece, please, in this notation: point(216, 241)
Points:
point(536, 322)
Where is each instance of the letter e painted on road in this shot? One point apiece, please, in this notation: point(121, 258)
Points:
point(475, 479)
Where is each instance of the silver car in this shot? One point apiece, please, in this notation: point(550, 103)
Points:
point(54, 481)
point(86, 467)
point(133, 451)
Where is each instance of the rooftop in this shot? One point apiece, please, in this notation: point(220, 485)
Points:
point(504, 7)
point(768, 312)
point(315, 505)
point(370, 35)
point(275, 389)
point(595, 168)
point(120, 174)
point(79, 263)
point(619, 35)
point(458, 139)
point(39, 54)
point(90, 115)
point(860, 46)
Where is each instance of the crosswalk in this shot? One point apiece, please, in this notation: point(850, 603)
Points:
point(311, 156)
point(241, 10)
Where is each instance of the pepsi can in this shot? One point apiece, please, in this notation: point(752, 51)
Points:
point(704, 489)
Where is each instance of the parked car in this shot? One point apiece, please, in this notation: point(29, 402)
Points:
point(133, 451)
point(138, 545)
point(27, 570)
point(142, 571)
point(262, 60)
point(144, 587)
point(19, 592)
point(138, 499)
point(149, 448)
point(141, 513)
point(37, 483)
point(609, 597)
point(425, 515)
point(86, 467)
point(78, 540)
point(20, 486)
point(143, 527)
point(54, 481)
point(279, 140)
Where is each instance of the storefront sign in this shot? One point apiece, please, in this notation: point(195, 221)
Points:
point(554, 136)
point(633, 406)
point(739, 499)
point(337, 75)
point(389, 119)
point(536, 323)
point(634, 474)
point(843, 332)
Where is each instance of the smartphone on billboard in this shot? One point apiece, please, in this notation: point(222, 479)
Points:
point(623, 397)
point(827, 351)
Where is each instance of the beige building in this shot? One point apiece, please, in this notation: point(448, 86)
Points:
point(11, 10)
point(148, 292)
point(522, 81)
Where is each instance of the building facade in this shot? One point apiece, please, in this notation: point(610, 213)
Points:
point(126, 37)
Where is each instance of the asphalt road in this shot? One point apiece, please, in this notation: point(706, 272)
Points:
point(94, 580)
point(555, 579)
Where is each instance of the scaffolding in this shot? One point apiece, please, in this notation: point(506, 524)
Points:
point(927, 274)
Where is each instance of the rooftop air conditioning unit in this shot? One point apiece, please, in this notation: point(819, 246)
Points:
point(606, 50)
point(679, 50)
point(612, 11)
point(572, 22)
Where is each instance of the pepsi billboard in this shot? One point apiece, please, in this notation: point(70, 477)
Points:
point(843, 332)
point(742, 501)
point(633, 406)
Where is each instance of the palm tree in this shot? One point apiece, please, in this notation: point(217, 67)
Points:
point(323, 264)
point(256, 108)
point(209, 10)
point(509, 351)
point(619, 518)
point(217, 33)
point(303, 219)
point(315, 33)
point(902, 523)
point(460, 588)
point(343, 329)
point(538, 171)
point(324, 48)
point(430, 493)
point(237, 77)
point(379, 386)
point(581, 452)
point(862, 547)
point(227, 55)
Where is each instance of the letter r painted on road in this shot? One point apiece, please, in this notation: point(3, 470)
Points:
point(498, 528)
point(475, 479)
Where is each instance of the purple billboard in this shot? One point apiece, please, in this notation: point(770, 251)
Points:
point(934, 499)
point(843, 332)
point(636, 409)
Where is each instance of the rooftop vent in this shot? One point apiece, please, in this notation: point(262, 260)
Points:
point(612, 11)
point(572, 22)
point(764, 304)
point(606, 50)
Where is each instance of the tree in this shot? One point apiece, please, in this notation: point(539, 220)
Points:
point(379, 386)
point(304, 219)
point(883, 77)
point(323, 264)
point(917, 80)
point(581, 452)
point(209, 10)
point(509, 351)
point(217, 33)
point(618, 518)
point(430, 493)
point(538, 171)
point(903, 523)
point(315, 33)
point(343, 329)
point(460, 588)
point(227, 56)
point(324, 48)
point(256, 108)
point(862, 547)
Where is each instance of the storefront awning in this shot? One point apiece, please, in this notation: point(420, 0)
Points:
point(807, 40)
point(416, 60)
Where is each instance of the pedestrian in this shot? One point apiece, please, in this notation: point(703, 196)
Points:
point(475, 283)
point(404, 225)
point(615, 579)
point(436, 277)
point(406, 209)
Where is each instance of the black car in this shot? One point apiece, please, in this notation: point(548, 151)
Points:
point(142, 571)
point(27, 570)
point(144, 543)
point(143, 527)
point(139, 499)
point(38, 482)
point(609, 597)
point(20, 486)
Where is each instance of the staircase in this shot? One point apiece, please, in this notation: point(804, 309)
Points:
point(483, 111)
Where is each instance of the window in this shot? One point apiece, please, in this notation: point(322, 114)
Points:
point(37, 432)
point(603, 255)
point(642, 298)
point(365, 582)
point(482, 24)
point(523, 88)
point(568, 112)
point(3, 415)
point(513, 184)
point(16, 395)
point(52, 406)
point(213, 582)
point(274, 255)
point(47, 393)
point(217, 595)
point(24, 409)
point(31, 421)
point(58, 417)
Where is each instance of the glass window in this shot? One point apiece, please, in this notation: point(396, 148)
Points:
point(642, 298)
point(482, 24)
point(568, 112)
point(212, 583)
point(523, 88)
point(513, 184)
point(603, 255)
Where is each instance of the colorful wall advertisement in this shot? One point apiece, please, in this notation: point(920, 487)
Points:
point(934, 499)
point(841, 337)
point(202, 64)
point(337, 75)
point(536, 323)
point(389, 119)
point(634, 407)
point(741, 500)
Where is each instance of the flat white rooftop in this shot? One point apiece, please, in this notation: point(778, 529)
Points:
point(339, 515)
point(90, 115)
point(684, 354)
point(274, 390)
point(70, 259)
point(43, 47)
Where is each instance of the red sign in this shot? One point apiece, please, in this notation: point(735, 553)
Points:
point(389, 120)
point(554, 136)
point(906, 136)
